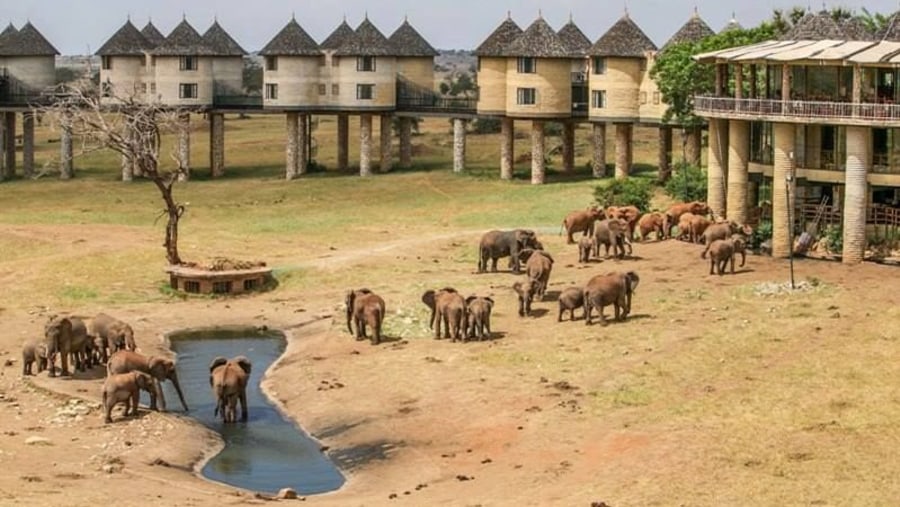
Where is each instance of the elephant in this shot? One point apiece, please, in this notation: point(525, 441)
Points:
point(449, 307)
point(159, 368)
point(526, 290)
point(723, 251)
point(538, 268)
point(698, 227)
point(497, 244)
point(66, 336)
point(651, 222)
point(570, 299)
point(612, 233)
point(581, 221)
point(33, 352)
point(113, 333)
point(126, 388)
point(724, 230)
point(586, 246)
point(684, 226)
point(610, 289)
point(631, 215)
point(365, 308)
point(478, 315)
point(228, 380)
point(673, 214)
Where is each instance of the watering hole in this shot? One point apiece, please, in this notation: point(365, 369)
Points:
point(268, 452)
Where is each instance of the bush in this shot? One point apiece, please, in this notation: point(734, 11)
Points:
point(627, 192)
point(688, 184)
point(833, 236)
point(553, 129)
point(486, 126)
point(761, 234)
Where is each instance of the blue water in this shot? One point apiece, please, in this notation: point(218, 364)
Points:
point(266, 453)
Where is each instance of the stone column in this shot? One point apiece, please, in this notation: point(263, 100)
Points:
point(387, 161)
point(538, 169)
point(405, 142)
point(623, 150)
point(292, 150)
point(343, 141)
point(127, 168)
point(784, 140)
point(303, 143)
point(184, 145)
point(814, 147)
point(856, 194)
point(568, 146)
point(738, 167)
point(694, 143)
point(365, 145)
point(66, 156)
point(2, 146)
point(664, 156)
point(459, 145)
point(28, 144)
point(598, 163)
point(718, 161)
point(785, 82)
point(216, 145)
point(507, 148)
point(10, 155)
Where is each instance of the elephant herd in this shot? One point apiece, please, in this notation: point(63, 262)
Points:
point(110, 341)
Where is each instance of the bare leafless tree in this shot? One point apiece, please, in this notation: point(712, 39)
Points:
point(132, 127)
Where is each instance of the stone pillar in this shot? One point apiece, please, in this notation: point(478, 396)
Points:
point(365, 145)
point(66, 156)
point(387, 160)
point(405, 142)
point(10, 155)
point(28, 144)
point(2, 146)
point(216, 145)
point(738, 167)
point(694, 145)
point(303, 130)
point(127, 168)
point(343, 141)
point(507, 148)
point(859, 143)
point(459, 145)
point(292, 150)
point(785, 82)
point(184, 145)
point(718, 161)
point(537, 153)
point(568, 146)
point(784, 140)
point(598, 140)
point(665, 154)
point(623, 150)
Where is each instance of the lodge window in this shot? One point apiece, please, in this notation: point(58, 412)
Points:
point(322, 89)
point(271, 63)
point(144, 88)
point(655, 98)
point(106, 62)
point(365, 92)
point(221, 287)
point(192, 287)
point(599, 65)
point(526, 96)
point(251, 284)
point(188, 63)
point(527, 65)
point(335, 90)
point(643, 98)
point(598, 99)
point(271, 91)
point(365, 63)
point(153, 88)
point(187, 91)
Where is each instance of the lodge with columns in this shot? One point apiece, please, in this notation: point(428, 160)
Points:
point(818, 106)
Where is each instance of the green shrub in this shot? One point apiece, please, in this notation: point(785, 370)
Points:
point(553, 129)
point(627, 192)
point(761, 234)
point(687, 184)
point(486, 126)
point(834, 238)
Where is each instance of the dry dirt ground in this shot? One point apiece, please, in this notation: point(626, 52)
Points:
point(689, 402)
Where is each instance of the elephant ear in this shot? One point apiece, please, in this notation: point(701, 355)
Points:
point(518, 288)
point(470, 299)
point(428, 298)
point(633, 280)
point(218, 361)
point(490, 302)
point(244, 363)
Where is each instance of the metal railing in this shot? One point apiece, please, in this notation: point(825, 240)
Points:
point(415, 98)
point(238, 101)
point(876, 214)
point(808, 109)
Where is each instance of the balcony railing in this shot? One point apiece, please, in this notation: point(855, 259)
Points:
point(800, 109)
point(579, 78)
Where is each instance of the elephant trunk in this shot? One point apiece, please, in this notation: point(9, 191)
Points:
point(174, 379)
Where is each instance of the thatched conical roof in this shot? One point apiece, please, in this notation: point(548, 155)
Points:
point(183, 40)
point(731, 25)
point(27, 41)
point(127, 41)
point(152, 34)
point(337, 37)
point(406, 41)
point(6, 37)
point(818, 26)
point(292, 40)
point(539, 41)
point(499, 39)
point(855, 29)
point(220, 42)
point(574, 38)
point(366, 40)
point(624, 39)
point(694, 30)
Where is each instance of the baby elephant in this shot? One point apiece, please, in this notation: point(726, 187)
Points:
point(478, 314)
point(723, 251)
point(126, 388)
point(33, 352)
point(571, 299)
point(585, 247)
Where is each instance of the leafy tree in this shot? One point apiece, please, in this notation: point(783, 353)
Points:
point(485, 125)
point(875, 22)
point(253, 76)
point(627, 192)
point(66, 75)
point(689, 185)
point(395, 125)
point(458, 84)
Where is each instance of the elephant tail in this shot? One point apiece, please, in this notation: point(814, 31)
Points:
point(706, 251)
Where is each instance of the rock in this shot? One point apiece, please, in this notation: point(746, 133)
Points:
point(34, 440)
point(286, 494)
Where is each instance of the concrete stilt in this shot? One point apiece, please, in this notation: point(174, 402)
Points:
point(292, 149)
point(459, 145)
point(10, 155)
point(343, 141)
point(738, 167)
point(184, 145)
point(302, 144)
point(568, 146)
point(784, 140)
point(66, 156)
point(387, 159)
point(507, 148)
point(217, 145)
point(406, 124)
point(28, 144)
point(599, 144)
point(623, 150)
point(365, 145)
point(538, 168)
point(715, 171)
point(859, 143)
point(664, 156)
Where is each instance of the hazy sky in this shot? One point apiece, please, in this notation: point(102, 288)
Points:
point(79, 26)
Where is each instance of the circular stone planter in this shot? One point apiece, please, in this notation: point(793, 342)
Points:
point(195, 280)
